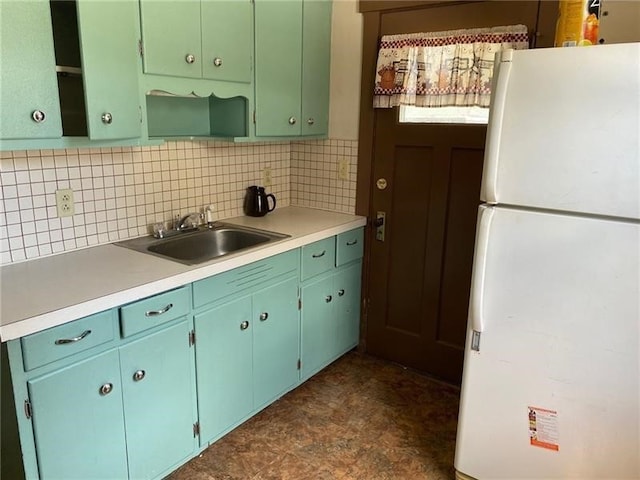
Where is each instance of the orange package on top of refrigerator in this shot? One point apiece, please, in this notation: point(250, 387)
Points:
point(578, 23)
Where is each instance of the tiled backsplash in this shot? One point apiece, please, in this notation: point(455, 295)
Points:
point(315, 179)
point(119, 192)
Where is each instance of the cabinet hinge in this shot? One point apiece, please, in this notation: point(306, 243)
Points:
point(299, 364)
point(27, 408)
point(254, 116)
point(196, 429)
point(192, 338)
point(299, 304)
point(140, 48)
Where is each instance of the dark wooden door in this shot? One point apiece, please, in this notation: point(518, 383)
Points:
point(417, 316)
point(419, 276)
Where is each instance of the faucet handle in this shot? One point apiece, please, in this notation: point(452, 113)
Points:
point(159, 230)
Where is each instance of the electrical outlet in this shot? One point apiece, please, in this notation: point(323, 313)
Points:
point(343, 169)
point(64, 202)
point(266, 176)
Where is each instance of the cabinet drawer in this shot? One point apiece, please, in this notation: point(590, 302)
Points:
point(349, 246)
point(253, 275)
point(318, 257)
point(73, 337)
point(152, 311)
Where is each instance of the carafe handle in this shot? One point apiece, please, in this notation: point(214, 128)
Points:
point(273, 197)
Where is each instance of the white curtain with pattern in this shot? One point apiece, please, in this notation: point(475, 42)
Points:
point(438, 69)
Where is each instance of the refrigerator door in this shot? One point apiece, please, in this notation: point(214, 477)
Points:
point(563, 130)
point(553, 390)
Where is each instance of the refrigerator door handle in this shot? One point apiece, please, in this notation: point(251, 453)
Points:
point(499, 89)
point(476, 319)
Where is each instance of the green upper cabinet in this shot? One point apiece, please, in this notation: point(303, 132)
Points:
point(227, 40)
point(110, 65)
point(69, 69)
point(29, 103)
point(197, 39)
point(293, 45)
point(316, 60)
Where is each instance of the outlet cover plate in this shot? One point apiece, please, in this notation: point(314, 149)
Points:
point(64, 202)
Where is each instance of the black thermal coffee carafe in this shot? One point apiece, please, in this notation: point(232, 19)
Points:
point(256, 202)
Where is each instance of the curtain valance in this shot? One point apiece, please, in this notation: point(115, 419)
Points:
point(450, 68)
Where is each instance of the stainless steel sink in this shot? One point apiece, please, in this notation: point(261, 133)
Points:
point(203, 244)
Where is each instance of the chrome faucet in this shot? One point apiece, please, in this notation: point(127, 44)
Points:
point(191, 221)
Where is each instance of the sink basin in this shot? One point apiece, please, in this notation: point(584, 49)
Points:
point(203, 244)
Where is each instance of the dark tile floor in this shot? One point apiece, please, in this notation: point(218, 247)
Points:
point(360, 418)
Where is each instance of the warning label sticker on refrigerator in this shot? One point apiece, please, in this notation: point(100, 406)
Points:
point(543, 428)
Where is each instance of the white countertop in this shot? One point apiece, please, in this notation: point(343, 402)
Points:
point(50, 291)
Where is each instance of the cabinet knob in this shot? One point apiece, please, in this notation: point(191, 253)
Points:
point(217, 62)
point(190, 58)
point(264, 316)
point(38, 116)
point(107, 118)
point(139, 375)
point(311, 121)
point(244, 325)
point(341, 292)
point(328, 298)
point(106, 389)
point(292, 120)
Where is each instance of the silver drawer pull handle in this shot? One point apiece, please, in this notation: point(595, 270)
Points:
point(352, 243)
point(328, 298)
point(155, 313)
point(139, 375)
point(318, 255)
point(244, 325)
point(341, 292)
point(264, 316)
point(64, 341)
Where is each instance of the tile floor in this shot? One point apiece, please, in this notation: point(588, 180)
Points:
point(359, 419)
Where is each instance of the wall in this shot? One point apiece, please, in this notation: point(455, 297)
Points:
point(119, 192)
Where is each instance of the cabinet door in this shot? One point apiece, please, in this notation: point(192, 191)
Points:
point(275, 340)
point(158, 400)
point(318, 325)
point(278, 39)
point(226, 40)
point(28, 71)
point(170, 34)
point(347, 308)
point(316, 64)
point(78, 421)
point(109, 49)
point(224, 363)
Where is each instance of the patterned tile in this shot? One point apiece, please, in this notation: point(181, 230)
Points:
point(360, 418)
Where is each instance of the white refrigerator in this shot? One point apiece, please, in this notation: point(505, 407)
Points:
point(550, 388)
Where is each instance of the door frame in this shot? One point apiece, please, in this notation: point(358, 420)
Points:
point(372, 12)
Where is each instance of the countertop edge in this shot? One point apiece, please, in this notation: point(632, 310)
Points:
point(34, 324)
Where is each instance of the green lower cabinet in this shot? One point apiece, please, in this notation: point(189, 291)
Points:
point(124, 413)
point(319, 326)
point(275, 341)
point(347, 286)
point(330, 317)
point(78, 420)
point(158, 401)
point(224, 360)
point(246, 355)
